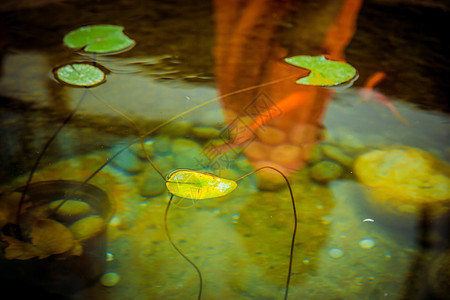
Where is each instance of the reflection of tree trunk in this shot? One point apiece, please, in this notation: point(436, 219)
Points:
point(248, 53)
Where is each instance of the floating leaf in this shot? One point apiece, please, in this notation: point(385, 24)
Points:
point(324, 72)
point(79, 74)
point(198, 185)
point(105, 39)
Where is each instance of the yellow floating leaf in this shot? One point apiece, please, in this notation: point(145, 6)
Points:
point(197, 185)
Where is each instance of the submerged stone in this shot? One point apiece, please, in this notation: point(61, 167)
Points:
point(336, 253)
point(110, 279)
point(326, 171)
point(366, 243)
point(87, 228)
point(205, 132)
point(151, 185)
point(336, 154)
point(402, 181)
point(70, 210)
point(128, 161)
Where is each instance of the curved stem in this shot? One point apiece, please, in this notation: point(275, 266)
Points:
point(181, 115)
point(179, 251)
point(38, 160)
point(141, 140)
point(294, 233)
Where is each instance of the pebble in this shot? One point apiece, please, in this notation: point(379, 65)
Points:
point(110, 279)
point(177, 129)
point(137, 149)
point(152, 185)
point(127, 161)
point(87, 228)
point(115, 221)
point(336, 154)
point(161, 144)
point(336, 252)
point(205, 132)
point(366, 243)
point(326, 171)
point(71, 210)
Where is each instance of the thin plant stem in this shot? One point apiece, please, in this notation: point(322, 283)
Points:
point(41, 154)
point(294, 233)
point(179, 116)
point(141, 140)
point(166, 227)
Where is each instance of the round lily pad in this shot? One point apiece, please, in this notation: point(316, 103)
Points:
point(79, 74)
point(324, 72)
point(105, 39)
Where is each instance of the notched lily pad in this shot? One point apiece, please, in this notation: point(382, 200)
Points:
point(198, 185)
point(324, 72)
point(104, 39)
point(80, 74)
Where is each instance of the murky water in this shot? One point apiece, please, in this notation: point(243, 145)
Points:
point(368, 165)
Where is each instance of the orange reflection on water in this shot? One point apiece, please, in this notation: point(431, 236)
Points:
point(280, 122)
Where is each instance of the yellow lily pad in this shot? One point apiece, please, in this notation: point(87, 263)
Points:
point(198, 185)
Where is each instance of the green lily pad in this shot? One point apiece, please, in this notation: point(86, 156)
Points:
point(198, 185)
point(105, 39)
point(324, 72)
point(79, 74)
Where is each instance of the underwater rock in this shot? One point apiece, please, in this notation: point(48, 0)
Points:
point(180, 146)
point(137, 149)
point(336, 252)
point(267, 179)
point(314, 155)
point(402, 182)
point(128, 161)
point(151, 185)
point(287, 155)
point(205, 132)
point(71, 210)
point(110, 279)
point(161, 144)
point(87, 228)
point(336, 154)
point(326, 171)
point(271, 135)
point(177, 129)
point(164, 163)
point(187, 154)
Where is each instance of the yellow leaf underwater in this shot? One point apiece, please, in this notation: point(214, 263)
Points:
point(51, 237)
point(197, 185)
point(20, 250)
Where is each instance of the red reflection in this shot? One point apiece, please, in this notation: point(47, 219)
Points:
point(277, 124)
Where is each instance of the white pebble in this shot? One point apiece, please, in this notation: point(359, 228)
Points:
point(366, 243)
point(336, 252)
point(115, 221)
point(110, 279)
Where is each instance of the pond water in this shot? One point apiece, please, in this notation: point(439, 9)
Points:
point(367, 164)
